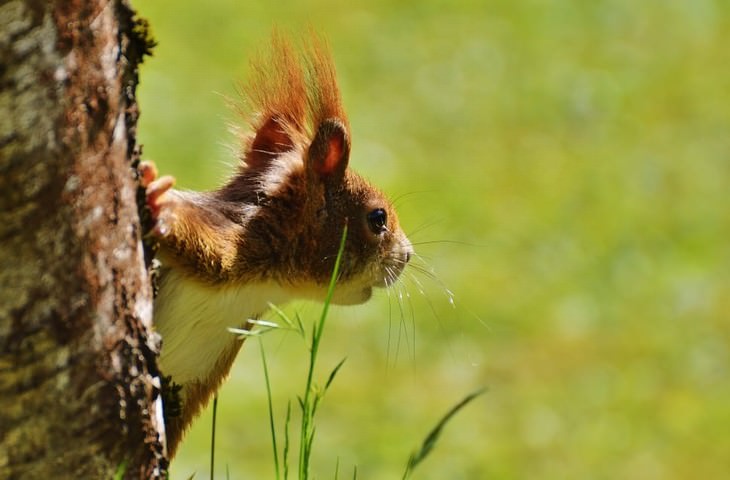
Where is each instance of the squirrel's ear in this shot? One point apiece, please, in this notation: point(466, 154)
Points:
point(330, 150)
point(271, 140)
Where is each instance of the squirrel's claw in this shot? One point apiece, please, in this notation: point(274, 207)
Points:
point(155, 190)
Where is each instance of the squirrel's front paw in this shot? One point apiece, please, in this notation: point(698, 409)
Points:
point(158, 202)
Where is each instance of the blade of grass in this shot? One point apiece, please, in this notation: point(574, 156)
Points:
point(212, 438)
point(433, 436)
point(286, 440)
point(271, 409)
point(297, 327)
point(121, 470)
point(334, 372)
point(300, 324)
point(265, 327)
point(307, 404)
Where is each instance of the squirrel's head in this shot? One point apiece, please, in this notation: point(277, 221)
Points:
point(295, 174)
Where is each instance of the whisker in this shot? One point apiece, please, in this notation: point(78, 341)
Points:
point(392, 275)
point(429, 273)
point(390, 329)
point(402, 326)
point(395, 201)
point(413, 322)
point(425, 271)
point(427, 299)
point(418, 283)
point(422, 227)
point(450, 242)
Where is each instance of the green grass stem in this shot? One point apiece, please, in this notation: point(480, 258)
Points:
point(272, 427)
point(212, 438)
point(310, 400)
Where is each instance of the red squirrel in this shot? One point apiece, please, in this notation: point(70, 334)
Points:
point(271, 233)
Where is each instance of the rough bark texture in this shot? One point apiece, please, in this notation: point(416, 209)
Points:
point(78, 380)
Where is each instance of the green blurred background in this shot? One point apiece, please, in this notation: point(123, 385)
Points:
point(565, 169)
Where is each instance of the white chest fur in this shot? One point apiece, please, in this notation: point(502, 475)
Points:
point(193, 319)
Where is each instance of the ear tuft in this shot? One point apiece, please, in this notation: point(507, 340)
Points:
point(270, 140)
point(329, 152)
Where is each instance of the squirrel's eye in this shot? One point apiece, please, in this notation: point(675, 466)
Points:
point(378, 221)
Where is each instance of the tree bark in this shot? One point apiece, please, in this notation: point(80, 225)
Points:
point(79, 387)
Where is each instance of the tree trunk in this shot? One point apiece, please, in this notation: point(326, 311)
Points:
point(79, 388)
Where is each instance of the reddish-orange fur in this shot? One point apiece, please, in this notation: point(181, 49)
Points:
point(290, 94)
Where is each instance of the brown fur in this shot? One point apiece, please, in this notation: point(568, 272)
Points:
point(280, 218)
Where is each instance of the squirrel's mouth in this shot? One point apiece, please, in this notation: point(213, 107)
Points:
point(386, 274)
